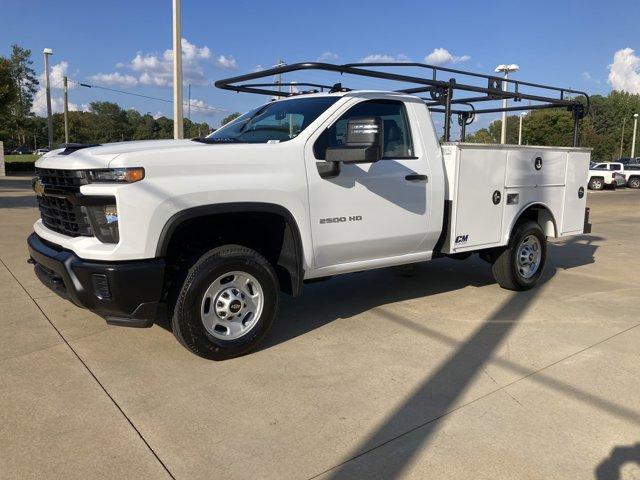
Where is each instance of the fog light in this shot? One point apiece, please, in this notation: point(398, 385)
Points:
point(104, 222)
point(101, 286)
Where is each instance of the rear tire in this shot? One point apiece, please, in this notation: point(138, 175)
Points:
point(227, 303)
point(634, 182)
point(520, 265)
point(596, 183)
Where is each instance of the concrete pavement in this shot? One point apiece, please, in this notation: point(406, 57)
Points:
point(435, 373)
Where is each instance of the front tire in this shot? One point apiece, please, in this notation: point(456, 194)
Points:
point(227, 303)
point(520, 265)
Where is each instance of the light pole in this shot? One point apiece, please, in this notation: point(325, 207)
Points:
point(505, 86)
point(66, 109)
point(520, 128)
point(46, 52)
point(633, 141)
point(178, 127)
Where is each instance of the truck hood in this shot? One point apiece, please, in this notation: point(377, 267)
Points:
point(102, 155)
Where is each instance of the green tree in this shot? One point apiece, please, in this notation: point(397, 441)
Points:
point(8, 89)
point(25, 78)
point(228, 118)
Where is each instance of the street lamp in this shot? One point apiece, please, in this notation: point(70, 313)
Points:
point(633, 141)
point(505, 86)
point(520, 128)
point(178, 112)
point(46, 52)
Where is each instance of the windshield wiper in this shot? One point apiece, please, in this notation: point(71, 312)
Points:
point(218, 140)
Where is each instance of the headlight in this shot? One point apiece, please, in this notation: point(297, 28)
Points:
point(104, 222)
point(116, 175)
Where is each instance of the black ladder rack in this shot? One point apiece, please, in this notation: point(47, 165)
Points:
point(441, 92)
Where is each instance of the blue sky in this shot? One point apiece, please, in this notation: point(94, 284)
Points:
point(122, 44)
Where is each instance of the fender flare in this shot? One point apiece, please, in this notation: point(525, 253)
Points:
point(292, 239)
point(517, 217)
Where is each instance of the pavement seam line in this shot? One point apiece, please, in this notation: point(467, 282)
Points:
point(482, 397)
point(144, 440)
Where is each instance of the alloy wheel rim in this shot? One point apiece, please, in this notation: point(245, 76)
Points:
point(529, 256)
point(232, 305)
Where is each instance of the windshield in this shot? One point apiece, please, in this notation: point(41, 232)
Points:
point(273, 122)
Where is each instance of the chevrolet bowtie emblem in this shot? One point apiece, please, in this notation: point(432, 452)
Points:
point(38, 187)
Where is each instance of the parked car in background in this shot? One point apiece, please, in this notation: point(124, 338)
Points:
point(24, 150)
point(629, 161)
point(606, 174)
point(41, 151)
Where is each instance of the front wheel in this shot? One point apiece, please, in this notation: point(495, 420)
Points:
point(519, 266)
point(634, 182)
point(227, 303)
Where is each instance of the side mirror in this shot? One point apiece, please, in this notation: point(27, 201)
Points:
point(363, 142)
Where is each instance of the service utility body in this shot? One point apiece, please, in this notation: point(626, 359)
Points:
point(334, 180)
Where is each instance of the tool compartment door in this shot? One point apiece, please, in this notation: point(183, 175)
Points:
point(575, 193)
point(480, 198)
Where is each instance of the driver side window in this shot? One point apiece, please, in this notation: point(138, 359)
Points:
point(395, 125)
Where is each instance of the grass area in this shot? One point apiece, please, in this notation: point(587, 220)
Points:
point(20, 158)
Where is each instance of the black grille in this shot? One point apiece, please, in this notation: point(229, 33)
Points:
point(55, 178)
point(57, 212)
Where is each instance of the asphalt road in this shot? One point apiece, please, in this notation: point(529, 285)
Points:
point(433, 373)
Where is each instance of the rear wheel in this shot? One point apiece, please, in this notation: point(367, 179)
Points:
point(634, 182)
point(519, 266)
point(596, 183)
point(227, 303)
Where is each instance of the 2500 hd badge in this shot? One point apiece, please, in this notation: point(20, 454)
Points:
point(351, 218)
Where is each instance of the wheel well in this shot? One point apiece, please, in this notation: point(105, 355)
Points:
point(542, 216)
point(269, 233)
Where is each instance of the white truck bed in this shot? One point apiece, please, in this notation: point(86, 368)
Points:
point(474, 173)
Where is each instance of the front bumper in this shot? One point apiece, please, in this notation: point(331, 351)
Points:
point(124, 293)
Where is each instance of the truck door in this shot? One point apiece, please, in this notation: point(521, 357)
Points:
point(369, 210)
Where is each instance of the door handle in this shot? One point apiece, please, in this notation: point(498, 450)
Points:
point(417, 178)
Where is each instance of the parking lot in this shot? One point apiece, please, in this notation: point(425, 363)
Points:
point(425, 372)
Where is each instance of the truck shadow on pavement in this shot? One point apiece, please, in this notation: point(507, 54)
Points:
point(355, 293)
point(408, 429)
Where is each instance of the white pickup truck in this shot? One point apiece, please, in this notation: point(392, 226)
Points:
point(613, 174)
point(211, 230)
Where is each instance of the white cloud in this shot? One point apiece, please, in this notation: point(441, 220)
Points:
point(115, 79)
point(327, 57)
point(202, 108)
point(624, 72)
point(440, 56)
point(153, 69)
point(384, 58)
point(258, 68)
point(56, 75)
point(39, 106)
point(158, 114)
point(228, 63)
